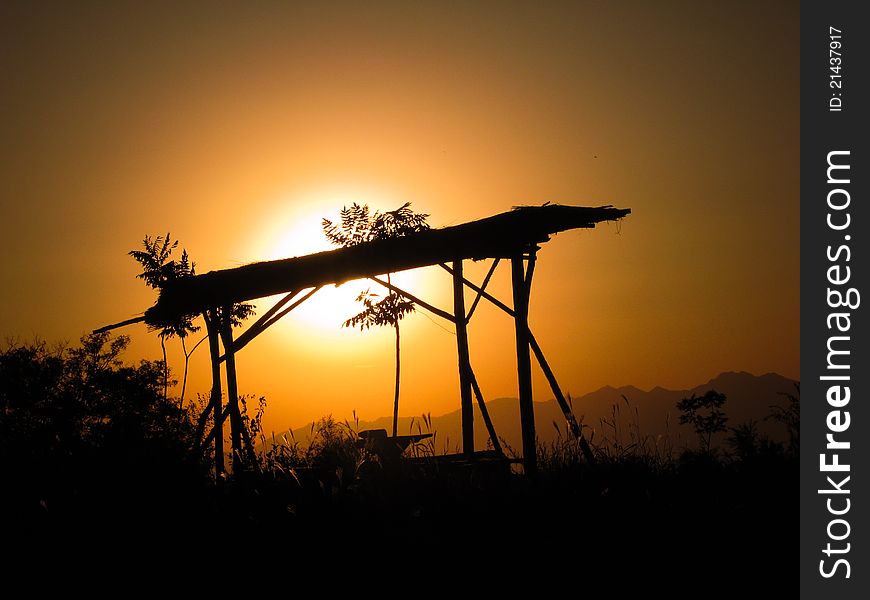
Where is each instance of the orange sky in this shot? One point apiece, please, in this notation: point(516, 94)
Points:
point(238, 128)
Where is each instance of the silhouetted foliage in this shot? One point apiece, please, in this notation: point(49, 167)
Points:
point(705, 414)
point(746, 441)
point(358, 225)
point(158, 270)
point(238, 313)
point(88, 442)
point(790, 416)
point(254, 424)
point(82, 433)
point(387, 311)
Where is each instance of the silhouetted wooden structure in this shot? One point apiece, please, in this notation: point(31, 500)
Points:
point(514, 236)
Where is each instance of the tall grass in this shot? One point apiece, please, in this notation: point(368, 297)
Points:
point(617, 439)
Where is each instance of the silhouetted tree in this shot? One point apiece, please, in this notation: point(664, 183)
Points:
point(705, 414)
point(83, 433)
point(157, 271)
point(358, 225)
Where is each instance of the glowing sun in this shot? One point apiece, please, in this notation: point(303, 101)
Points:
point(332, 305)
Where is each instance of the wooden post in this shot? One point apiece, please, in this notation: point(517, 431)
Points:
point(214, 350)
point(267, 320)
point(496, 445)
point(226, 329)
point(464, 361)
point(524, 364)
point(483, 287)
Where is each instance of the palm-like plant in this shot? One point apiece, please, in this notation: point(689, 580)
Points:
point(157, 270)
point(358, 225)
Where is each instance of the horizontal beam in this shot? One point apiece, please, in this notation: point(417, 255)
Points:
point(139, 319)
point(505, 234)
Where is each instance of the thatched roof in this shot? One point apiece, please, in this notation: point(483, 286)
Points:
point(502, 235)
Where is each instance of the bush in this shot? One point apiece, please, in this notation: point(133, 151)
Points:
point(83, 435)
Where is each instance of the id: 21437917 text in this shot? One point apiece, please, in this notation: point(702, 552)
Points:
point(835, 62)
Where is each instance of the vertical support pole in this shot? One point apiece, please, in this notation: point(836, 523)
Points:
point(524, 364)
point(398, 373)
point(464, 361)
point(211, 326)
point(226, 330)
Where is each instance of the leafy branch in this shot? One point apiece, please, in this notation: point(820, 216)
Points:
point(358, 225)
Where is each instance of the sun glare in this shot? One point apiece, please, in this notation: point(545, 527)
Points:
point(301, 233)
point(331, 306)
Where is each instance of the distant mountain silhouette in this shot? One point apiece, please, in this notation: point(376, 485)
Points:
point(652, 412)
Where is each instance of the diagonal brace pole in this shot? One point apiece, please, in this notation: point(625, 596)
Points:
point(252, 331)
point(263, 323)
point(482, 288)
point(441, 313)
point(215, 429)
point(573, 425)
point(482, 292)
point(485, 412)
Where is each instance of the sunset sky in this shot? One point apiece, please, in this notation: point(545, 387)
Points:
point(237, 127)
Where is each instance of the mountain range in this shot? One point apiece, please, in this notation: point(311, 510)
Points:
point(615, 413)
